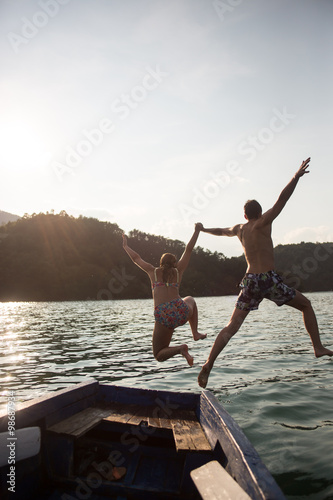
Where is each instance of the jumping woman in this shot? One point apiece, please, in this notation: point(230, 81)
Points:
point(170, 310)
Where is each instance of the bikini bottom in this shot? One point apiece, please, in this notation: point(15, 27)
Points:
point(172, 314)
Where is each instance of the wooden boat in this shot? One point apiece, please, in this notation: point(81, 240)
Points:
point(98, 442)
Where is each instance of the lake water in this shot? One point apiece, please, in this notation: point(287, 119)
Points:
point(267, 377)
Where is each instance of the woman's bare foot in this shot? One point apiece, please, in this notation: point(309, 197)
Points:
point(199, 336)
point(184, 352)
point(203, 376)
point(322, 351)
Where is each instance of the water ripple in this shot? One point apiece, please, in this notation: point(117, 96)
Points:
point(267, 377)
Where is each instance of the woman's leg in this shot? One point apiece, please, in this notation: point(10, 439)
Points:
point(161, 340)
point(193, 318)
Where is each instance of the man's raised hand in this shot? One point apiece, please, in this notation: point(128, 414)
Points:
point(302, 169)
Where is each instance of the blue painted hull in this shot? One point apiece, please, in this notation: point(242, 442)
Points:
point(78, 463)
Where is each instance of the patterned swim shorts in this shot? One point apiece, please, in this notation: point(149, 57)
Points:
point(256, 287)
point(172, 314)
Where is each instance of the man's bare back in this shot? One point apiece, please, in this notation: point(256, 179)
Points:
point(255, 237)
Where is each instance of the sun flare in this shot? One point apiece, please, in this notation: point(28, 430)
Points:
point(22, 146)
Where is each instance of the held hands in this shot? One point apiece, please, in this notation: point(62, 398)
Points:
point(198, 226)
point(302, 169)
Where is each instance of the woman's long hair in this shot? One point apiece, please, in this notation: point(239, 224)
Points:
point(168, 263)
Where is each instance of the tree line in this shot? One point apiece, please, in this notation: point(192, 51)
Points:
point(56, 257)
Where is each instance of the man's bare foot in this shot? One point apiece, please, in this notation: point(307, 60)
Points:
point(199, 336)
point(323, 352)
point(203, 376)
point(184, 352)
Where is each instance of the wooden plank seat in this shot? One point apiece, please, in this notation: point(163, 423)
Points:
point(79, 423)
point(135, 415)
point(187, 431)
point(214, 483)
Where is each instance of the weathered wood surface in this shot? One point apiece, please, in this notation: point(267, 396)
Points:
point(127, 414)
point(187, 431)
point(214, 483)
point(79, 423)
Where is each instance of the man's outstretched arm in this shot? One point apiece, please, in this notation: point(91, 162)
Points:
point(285, 194)
point(219, 231)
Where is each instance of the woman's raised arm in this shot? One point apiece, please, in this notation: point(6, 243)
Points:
point(136, 258)
point(185, 258)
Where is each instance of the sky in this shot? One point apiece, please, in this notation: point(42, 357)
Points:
point(156, 114)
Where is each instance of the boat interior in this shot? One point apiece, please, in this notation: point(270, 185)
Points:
point(122, 452)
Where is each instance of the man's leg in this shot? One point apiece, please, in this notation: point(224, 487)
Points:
point(221, 341)
point(303, 304)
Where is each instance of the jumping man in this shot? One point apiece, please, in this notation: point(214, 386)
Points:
point(260, 280)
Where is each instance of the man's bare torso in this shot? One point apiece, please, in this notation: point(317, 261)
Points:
point(255, 237)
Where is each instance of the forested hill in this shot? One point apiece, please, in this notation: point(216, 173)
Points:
point(7, 217)
point(58, 257)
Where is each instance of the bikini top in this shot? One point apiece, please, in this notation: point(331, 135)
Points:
point(161, 283)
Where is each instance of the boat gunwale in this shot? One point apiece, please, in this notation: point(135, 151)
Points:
point(234, 442)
